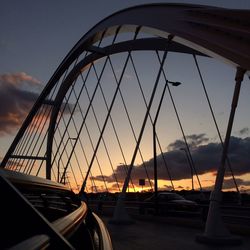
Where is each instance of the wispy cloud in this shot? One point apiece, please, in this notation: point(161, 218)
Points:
point(18, 78)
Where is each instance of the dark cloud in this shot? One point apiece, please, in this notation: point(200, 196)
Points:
point(103, 177)
point(18, 93)
point(16, 100)
point(206, 159)
point(240, 182)
point(229, 183)
point(119, 175)
point(192, 140)
point(176, 145)
point(196, 140)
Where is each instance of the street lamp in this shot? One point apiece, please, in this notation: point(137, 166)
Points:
point(182, 131)
point(175, 84)
point(154, 141)
point(58, 164)
point(190, 165)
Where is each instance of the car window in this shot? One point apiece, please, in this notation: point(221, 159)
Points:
point(162, 197)
point(177, 197)
point(170, 197)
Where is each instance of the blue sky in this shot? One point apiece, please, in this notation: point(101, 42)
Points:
point(36, 36)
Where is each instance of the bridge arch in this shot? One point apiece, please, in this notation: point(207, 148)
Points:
point(194, 29)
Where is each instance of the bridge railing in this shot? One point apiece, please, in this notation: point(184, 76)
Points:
point(40, 213)
point(238, 213)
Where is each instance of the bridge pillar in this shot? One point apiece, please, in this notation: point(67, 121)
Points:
point(215, 231)
point(121, 215)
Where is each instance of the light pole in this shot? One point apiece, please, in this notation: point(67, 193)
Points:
point(182, 131)
point(120, 213)
point(175, 84)
point(190, 165)
point(154, 142)
point(58, 164)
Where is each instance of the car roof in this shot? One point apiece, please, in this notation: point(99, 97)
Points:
point(168, 193)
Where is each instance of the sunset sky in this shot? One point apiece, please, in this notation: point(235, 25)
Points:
point(36, 36)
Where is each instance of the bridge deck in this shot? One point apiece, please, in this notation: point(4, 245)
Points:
point(160, 234)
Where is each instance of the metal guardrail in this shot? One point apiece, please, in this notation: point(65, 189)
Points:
point(105, 240)
point(23, 179)
point(28, 193)
point(67, 224)
point(241, 213)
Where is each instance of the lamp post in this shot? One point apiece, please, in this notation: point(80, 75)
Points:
point(58, 164)
point(154, 142)
point(184, 137)
point(120, 213)
point(190, 165)
point(175, 84)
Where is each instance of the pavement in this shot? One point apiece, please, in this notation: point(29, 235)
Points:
point(161, 234)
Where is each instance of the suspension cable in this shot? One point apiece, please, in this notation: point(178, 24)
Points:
point(83, 123)
point(33, 129)
point(72, 118)
point(122, 195)
point(131, 126)
point(106, 120)
point(180, 124)
point(115, 131)
point(214, 119)
point(109, 111)
point(51, 96)
point(151, 121)
point(81, 127)
point(61, 117)
point(36, 127)
point(105, 146)
point(30, 164)
point(84, 81)
point(77, 103)
point(27, 144)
